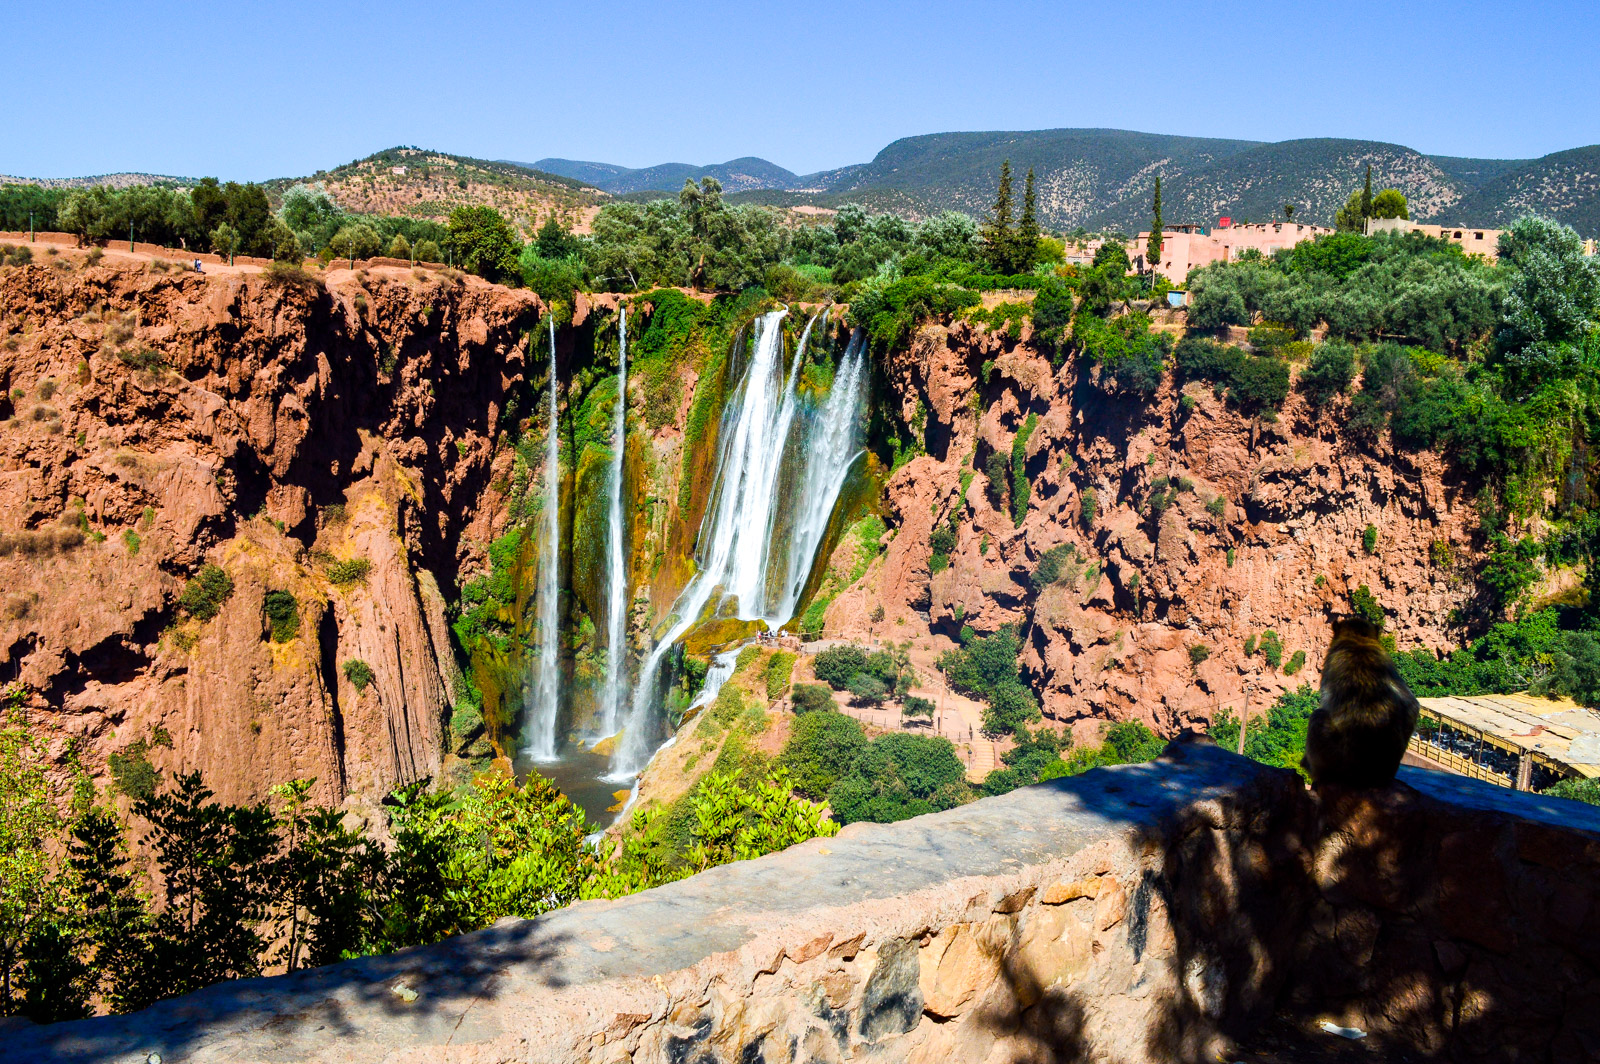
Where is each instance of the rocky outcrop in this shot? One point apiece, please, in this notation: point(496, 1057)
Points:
point(1191, 525)
point(1158, 912)
point(277, 427)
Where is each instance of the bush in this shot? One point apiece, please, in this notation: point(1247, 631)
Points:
point(1369, 539)
point(1130, 355)
point(283, 615)
point(779, 668)
point(836, 665)
point(1271, 648)
point(428, 251)
point(1280, 738)
point(1576, 789)
point(1217, 507)
point(1365, 604)
point(988, 669)
point(359, 673)
point(1295, 663)
point(913, 706)
point(997, 470)
point(343, 572)
point(811, 697)
point(1254, 383)
point(205, 592)
point(898, 776)
point(822, 747)
point(1056, 565)
point(1330, 372)
point(867, 688)
point(131, 771)
point(1198, 653)
point(1086, 508)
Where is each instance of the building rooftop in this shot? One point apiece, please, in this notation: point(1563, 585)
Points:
point(1558, 731)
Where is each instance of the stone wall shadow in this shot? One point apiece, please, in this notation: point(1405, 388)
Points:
point(418, 991)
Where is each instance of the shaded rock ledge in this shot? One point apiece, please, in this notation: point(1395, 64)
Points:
point(1144, 913)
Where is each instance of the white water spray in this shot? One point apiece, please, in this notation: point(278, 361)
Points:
point(547, 684)
point(617, 598)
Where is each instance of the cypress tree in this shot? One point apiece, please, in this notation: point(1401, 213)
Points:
point(1153, 247)
point(997, 235)
point(1027, 252)
point(1366, 196)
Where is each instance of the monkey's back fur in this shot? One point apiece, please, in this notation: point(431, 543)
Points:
point(1358, 735)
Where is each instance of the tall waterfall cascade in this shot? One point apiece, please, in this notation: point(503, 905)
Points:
point(541, 735)
point(781, 463)
point(616, 562)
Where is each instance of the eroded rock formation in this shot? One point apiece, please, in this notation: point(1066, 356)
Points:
point(1282, 549)
point(160, 420)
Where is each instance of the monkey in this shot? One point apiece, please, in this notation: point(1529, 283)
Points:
point(1358, 734)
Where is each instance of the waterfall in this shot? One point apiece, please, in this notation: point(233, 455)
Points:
point(617, 566)
point(547, 685)
point(834, 447)
point(737, 549)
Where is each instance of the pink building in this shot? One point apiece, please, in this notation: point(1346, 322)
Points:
point(1185, 247)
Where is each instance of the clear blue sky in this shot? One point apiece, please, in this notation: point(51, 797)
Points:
point(257, 90)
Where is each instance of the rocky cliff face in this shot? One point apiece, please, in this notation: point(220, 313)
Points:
point(160, 420)
point(345, 441)
point(1204, 528)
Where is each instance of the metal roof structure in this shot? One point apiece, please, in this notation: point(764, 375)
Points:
point(1557, 734)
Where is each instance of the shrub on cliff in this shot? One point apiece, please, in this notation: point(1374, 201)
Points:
point(359, 673)
point(283, 615)
point(1329, 374)
point(206, 591)
point(1254, 383)
point(1130, 355)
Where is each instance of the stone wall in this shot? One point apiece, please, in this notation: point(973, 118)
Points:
point(1147, 913)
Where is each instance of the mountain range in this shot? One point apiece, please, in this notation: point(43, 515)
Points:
point(1104, 178)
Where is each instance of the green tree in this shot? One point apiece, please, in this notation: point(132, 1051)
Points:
point(1153, 247)
point(822, 747)
point(1552, 302)
point(481, 242)
point(218, 866)
point(1026, 251)
point(225, 240)
point(998, 237)
point(1390, 203)
point(31, 902)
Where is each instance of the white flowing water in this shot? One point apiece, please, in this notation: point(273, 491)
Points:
point(834, 446)
point(737, 549)
point(547, 683)
point(616, 563)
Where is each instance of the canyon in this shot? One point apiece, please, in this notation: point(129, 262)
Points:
point(359, 439)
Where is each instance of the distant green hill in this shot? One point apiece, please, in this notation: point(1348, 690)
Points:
point(1102, 179)
point(1083, 175)
point(1564, 185)
point(737, 175)
point(1317, 176)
